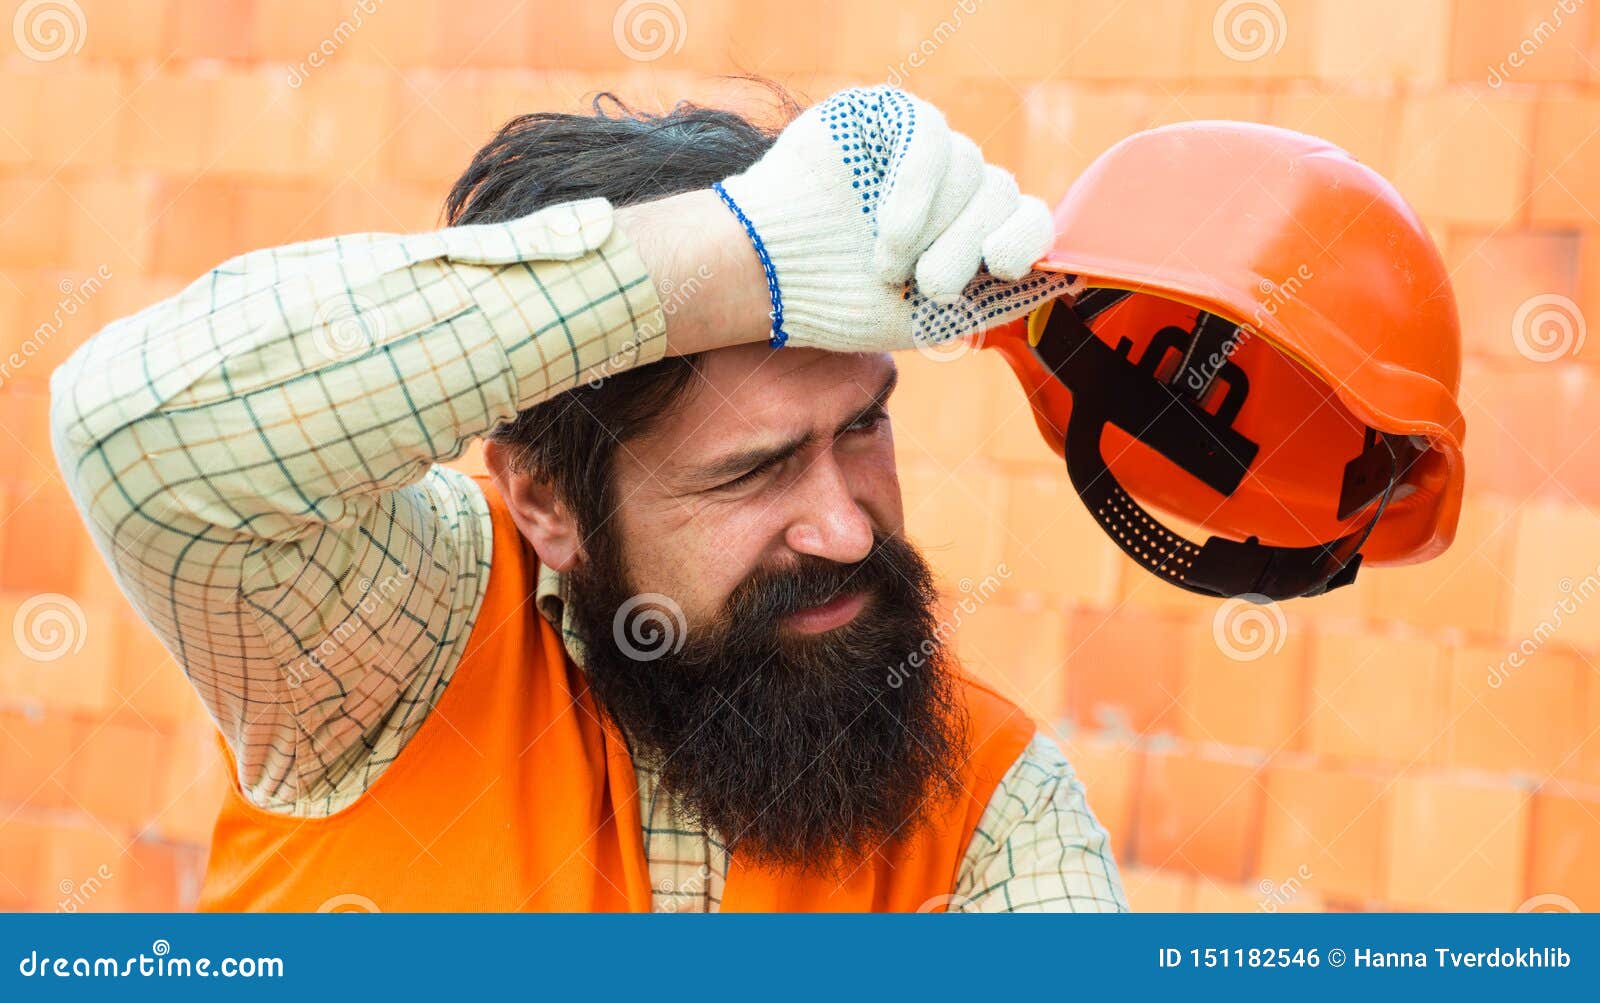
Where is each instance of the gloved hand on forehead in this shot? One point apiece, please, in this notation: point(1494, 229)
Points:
point(880, 228)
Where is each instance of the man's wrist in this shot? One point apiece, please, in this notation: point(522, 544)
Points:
point(712, 286)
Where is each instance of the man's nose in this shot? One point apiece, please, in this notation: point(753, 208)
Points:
point(828, 523)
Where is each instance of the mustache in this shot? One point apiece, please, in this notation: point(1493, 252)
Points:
point(890, 573)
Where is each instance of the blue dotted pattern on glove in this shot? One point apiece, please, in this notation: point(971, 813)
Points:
point(870, 125)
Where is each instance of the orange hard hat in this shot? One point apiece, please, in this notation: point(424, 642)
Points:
point(1262, 342)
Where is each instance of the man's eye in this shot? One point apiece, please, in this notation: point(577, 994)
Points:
point(869, 421)
point(744, 478)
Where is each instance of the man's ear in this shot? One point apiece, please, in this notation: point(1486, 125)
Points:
point(543, 518)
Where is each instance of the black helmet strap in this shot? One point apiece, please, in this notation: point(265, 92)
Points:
point(1163, 407)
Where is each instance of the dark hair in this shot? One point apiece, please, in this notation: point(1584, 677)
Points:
point(626, 157)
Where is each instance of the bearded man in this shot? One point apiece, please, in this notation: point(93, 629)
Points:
point(668, 654)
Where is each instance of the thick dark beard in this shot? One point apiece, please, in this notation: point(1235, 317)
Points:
point(801, 752)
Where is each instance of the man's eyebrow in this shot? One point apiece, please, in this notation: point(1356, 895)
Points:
point(745, 460)
point(878, 400)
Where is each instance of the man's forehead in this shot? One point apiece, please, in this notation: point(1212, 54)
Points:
point(754, 390)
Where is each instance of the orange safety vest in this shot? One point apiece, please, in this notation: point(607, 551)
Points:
point(513, 796)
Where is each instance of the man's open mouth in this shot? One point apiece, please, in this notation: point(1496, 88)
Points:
point(836, 612)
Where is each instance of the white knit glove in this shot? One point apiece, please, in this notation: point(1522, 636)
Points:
point(869, 189)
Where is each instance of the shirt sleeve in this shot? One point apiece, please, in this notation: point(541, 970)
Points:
point(1038, 847)
point(256, 460)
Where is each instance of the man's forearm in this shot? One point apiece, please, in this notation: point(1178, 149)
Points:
point(713, 292)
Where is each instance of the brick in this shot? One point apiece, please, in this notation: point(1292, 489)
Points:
point(347, 114)
point(1020, 651)
point(1363, 124)
point(1109, 767)
point(397, 35)
point(115, 774)
point(34, 749)
point(25, 455)
point(1376, 698)
point(30, 232)
point(1464, 156)
point(1112, 41)
point(1518, 42)
point(1495, 273)
point(1456, 844)
point(1522, 716)
point(954, 517)
point(1325, 828)
point(285, 31)
point(1378, 40)
point(109, 226)
point(41, 512)
point(195, 782)
point(63, 654)
point(1565, 840)
point(1151, 890)
point(1254, 897)
point(1462, 589)
point(1566, 160)
point(19, 117)
point(1519, 414)
point(497, 33)
point(196, 227)
point(934, 405)
point(163, 877)
point(439, 124)
point(80, 117)
point(1254, 41)
point(147, 681)
point(58, 864)
point(261, 130)
point(1200, 813)
point(1556, 575)
point(1243, 688)
point(214, 29)
point(1068, 125)
point(1052, 545)
point(172, 125)
point(125, 30)
point(1102, 692)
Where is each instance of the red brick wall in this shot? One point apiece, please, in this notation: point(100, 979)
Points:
point(1368, 760)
